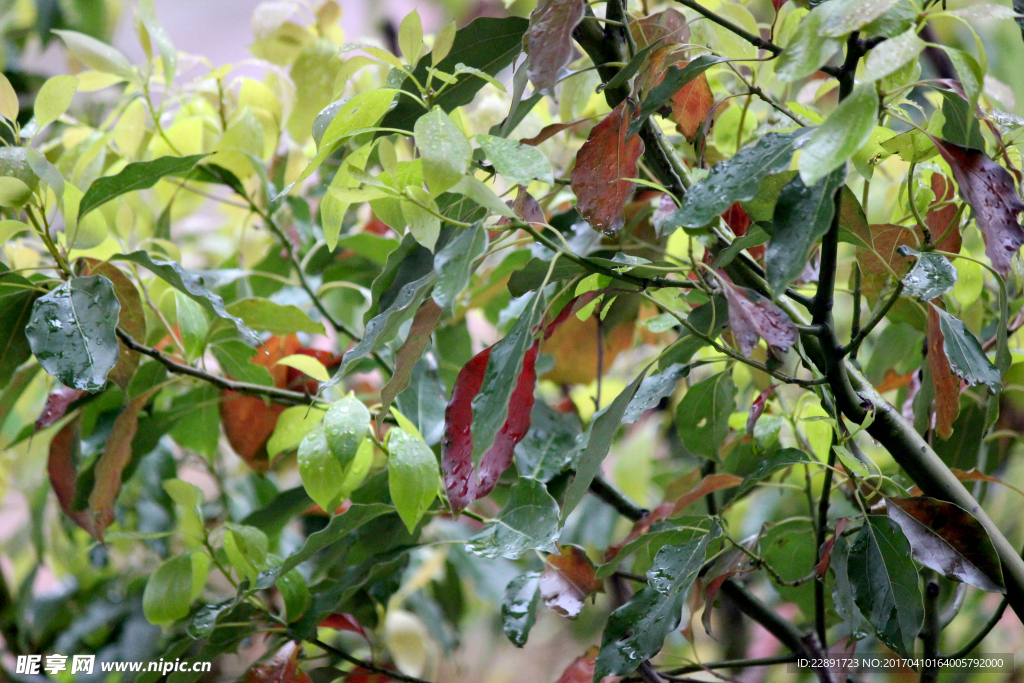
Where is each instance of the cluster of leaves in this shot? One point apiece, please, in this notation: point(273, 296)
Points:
point(423, 329)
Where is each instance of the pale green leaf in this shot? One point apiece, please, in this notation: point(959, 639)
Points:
point(846, 130)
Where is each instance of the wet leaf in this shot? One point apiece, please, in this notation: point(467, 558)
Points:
point(964, 352)
point(529, 521)
point(191, 284)
point(549, 444)
point(676, 566)
point(444, 148)
point(138, 175)
point(653, 389)
point(595, 444)
point(567, 580)
point(675, 79)
point(412, 476)
point(131, 319)
point(323, 477)
point(948, 539)
point(702, 417)
point(890, 55)
point(295, 594)
point(931, 277)
point(409, 353)
point(802, 217)
point(283, 667)
point(775, 462)
point(846, 130)
point(734, 179)
point(753, 317)
point(886, 587)
point(516, 162)
point(807, 50)
point(455, 263)
point(991, 191)
point(637, 630)
point(72, 332)
point(549, 41)
point(519, 607)
point(608, 156)
point(844, 16)
point(16, 304)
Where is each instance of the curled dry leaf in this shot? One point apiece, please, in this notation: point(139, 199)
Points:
point(992, 193)
point(753, 317)
point(568, 580)
point(945, 382)
point(948, 539)
point(462, 482)
point(283, 667)
point(605, 160)
point(549, 41)
point(757, 408)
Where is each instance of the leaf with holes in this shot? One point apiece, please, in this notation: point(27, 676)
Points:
point(948, 539)
point(567, 580)
point(604, 162)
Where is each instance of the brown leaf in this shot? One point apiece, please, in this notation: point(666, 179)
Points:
point(60, 465)
point(826, 550)
point(753, 317)
point(891, 381)
point(249, 421)
point(974, 475)
point(283, 667)
point(57, 403)
point(938, 220)
point(116, 455)
point(131, 319)
point(948, 539)
point(992, 193)
point(669, 26)
point(582, 669)
point(343, 621)
point(875, 263)
point(568, 580)
point(944, 381)
point(574, 349)
point(605, 159)
point(550, 131)
point(691, 106)
point(423, 324)
point(549, 41)
point(524, 206)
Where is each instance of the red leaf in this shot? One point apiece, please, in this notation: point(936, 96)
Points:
point(691, 105)
point(607, 157)
point(709, 597)
point(777, 4)
point(568, 580)
point(361, 675)
point(462, 483)
point(582, 669)
point(945, 382)
point(992, 193)
point(826, 554)
point(423, 324)
point(344, 622)
point(940, 220)
point(549, 41)
point(549, 131)
point(756, 408)
point(878, 263)
point(524, 206)
point(60, 466)
point(752, 317)
point(283, 667)
point(57, 404)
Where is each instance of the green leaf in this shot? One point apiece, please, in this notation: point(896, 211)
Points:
point(168, 593)
point(168, 55)
point(307, 365)
point(931, 277)
point(885, 583)
point(549, 444)
point(596, 442)
point(914, 146)
point(501, 376)
point(422, 217)
point(293, 424)
point(16, 299)
point(345, 427)
point(96, 55)
point(54, 98)
point(445, 150)
point(961, 125)
point(519, 607)
point(807, 50)
point(636, 631)
point(410, 37)
point(970, 72)
point(413, 476)
point(841, 17)
point(72, 332)
point(846, 130)
point(233, 357)
point(529, 521)
point(188, 500)
point(246, 548)
point(13, 192)
point(295, 594)
point(486, 43)
point(481, 194)
point(455, 263)
point(676, 566)
point(653, 389)
point(966, 356)
point(192, 325)
point(323, 477)
point(138, 175)
point(850, 461)
point(191, 284)
point(516, 162)
point(890, 55)
point(675, 78)
point(733, 180)
point(772, 463)
point(802, 216)
point(263, 315)
point(703, 415)
point(842, 590)
point(8, 100)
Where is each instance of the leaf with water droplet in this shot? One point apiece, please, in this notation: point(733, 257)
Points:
point(345, 426)
point(519, 607)
point(413, 477)
point(933, 275)
point(637, 630)
point(529, 521)
point(72, 332)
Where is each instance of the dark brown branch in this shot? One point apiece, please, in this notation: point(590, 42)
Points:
point(369, 666)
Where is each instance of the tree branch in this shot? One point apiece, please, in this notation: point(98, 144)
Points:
point(369, 666)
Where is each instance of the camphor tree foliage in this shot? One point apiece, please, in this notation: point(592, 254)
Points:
point(464, 313)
